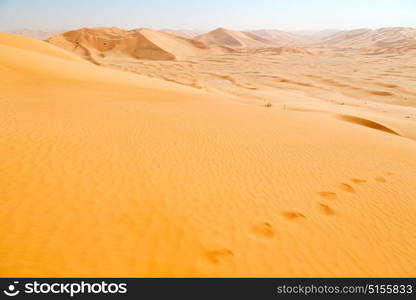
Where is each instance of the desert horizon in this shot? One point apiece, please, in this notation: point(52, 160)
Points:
point(222, 153)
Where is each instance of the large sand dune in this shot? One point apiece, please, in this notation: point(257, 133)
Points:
point(103, 44)
point(108, 173)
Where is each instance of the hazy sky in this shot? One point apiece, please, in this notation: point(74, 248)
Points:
point(208, 14)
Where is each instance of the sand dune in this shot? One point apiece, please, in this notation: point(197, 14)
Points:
point(108, 173)
point(282, 42)
point(102, 44)
point(315, 34)
point(372, 39)
point(37, 46)
point(232, 38)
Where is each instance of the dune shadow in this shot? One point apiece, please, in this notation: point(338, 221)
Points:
point(366, 123)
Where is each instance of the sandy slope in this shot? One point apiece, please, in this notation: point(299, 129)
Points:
point(232, 38)
point(41, 47)
point(107, 173)
point(103, 44)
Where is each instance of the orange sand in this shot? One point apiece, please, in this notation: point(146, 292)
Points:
point(108, 173)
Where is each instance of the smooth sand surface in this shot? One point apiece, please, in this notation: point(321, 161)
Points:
point(36, 46)
point(108, 173)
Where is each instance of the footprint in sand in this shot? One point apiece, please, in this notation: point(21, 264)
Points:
point(358, 181)
point(293, 216)
point(325, 209)
point(390, 174)
point(219, 256)
point(346, 187)
point(328, 195)
point(380, 179)
point(264, 230)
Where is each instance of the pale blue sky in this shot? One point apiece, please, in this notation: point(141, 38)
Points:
point(208, 14)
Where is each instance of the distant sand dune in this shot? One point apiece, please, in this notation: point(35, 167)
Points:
point(98, 43)
point(252, 39)
point(383, 40)
point(231, 38)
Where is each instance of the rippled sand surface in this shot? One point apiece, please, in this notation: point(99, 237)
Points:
point(110, 173)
